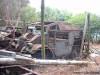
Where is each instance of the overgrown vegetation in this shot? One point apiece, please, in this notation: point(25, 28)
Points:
point(11, 9)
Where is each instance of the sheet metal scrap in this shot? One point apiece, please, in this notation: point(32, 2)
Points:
point(14, 64)
point(16, 70)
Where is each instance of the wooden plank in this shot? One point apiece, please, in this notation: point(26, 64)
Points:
point(84, 32)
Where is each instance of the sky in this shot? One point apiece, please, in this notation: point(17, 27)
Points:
point(74, 6)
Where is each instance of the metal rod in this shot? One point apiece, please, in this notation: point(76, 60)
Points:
point(29, 61)
point(61, 62)
point(7, 60)
point(42, 29)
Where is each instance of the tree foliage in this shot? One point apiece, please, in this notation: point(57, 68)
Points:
point(9, 9)
point(78, 19)
point(28, 14)
point(53, 14)
point(94, 24)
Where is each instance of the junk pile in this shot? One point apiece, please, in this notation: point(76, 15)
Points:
point(62, 40)
point(18, 49)
point(12, 63)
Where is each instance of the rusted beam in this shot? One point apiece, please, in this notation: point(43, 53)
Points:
point(30, 71)
point(28, 74)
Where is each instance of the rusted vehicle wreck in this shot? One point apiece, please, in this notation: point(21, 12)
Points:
point(62, 40)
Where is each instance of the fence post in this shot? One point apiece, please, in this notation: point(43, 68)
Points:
point(86, 31)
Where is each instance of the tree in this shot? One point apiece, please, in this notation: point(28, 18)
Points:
point(94, 24)
point(53, 14)
point(78, 19)
point(28, 14)
point(10, 9)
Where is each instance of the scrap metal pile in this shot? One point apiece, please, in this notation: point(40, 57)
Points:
point(62, 40)
point(18, 49)
point(10, 48)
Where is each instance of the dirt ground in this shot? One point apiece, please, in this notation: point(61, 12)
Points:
point(97, 46)
point(68, 69)
point(89, 69)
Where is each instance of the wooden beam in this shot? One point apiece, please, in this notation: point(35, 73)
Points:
point(86, 26)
